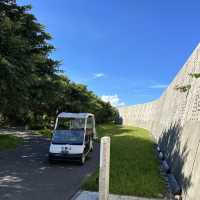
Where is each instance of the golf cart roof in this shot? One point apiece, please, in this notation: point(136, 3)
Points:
point(75, 115)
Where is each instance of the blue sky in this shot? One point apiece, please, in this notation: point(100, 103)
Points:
point(127, 51)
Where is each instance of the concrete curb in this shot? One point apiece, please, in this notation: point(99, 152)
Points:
point(87, 195)
point(75, 196)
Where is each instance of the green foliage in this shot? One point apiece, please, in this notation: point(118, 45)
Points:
point(195, 75)
point(9, 141)
point(134, 167)
point(184, 88)
point(32, 88)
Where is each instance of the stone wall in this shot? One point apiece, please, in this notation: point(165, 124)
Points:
point(174, 121)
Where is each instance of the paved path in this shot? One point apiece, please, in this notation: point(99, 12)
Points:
point(25, 173)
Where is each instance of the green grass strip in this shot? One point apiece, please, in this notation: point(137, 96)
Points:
point(9, 141)
point(134, 167)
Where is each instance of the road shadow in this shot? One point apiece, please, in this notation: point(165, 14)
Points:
point(25, 172)
point(175, 154)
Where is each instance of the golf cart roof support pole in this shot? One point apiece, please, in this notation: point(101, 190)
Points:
point(94, 128)
point(104, 170)
point(86, 119)
point(56, 123)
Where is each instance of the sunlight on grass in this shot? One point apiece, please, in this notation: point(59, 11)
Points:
point(134, 167)
point(44, 132)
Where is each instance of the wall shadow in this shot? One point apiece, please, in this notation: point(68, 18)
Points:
point(176, 156)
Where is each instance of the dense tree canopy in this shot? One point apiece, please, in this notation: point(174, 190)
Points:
point(32, 89)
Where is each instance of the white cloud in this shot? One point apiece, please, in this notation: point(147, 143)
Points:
point(158, 86)
point(113, 99)
point(99, 75)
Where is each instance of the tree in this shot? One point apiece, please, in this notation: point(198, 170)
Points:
point(32, 89)
point(25, 66)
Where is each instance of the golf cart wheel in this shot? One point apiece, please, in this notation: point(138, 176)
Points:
point(51, 161)
point(82, 159)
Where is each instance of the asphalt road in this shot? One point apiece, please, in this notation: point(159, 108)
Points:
point(25, 173)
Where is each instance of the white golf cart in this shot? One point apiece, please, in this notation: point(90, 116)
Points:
point(72, 136)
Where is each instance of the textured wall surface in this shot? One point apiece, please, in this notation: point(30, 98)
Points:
point(174, 121)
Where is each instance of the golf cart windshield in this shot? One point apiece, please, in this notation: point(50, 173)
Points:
point(68, 137)
point(69, 131)
point(70, 123)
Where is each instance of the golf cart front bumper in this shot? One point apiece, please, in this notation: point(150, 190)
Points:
point(62, 156)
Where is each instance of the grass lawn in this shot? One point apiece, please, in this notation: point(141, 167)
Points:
point(9, 141)
point(134, 167)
